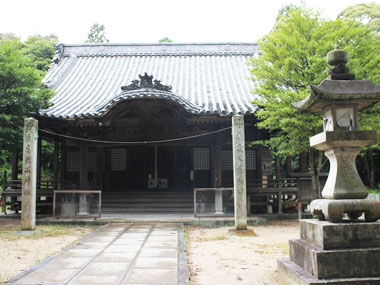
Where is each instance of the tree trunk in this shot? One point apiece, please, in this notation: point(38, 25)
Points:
point(372, 170)
point(369, 167)
point(315, 158)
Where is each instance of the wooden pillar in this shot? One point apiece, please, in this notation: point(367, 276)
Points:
point(14, 165)
point(278, 167)
point(216, 173)
point(240, 187)
point(288, 165)
point(107, 169)
point(55, 161)
point(39, 152)
point(303, 162)
point(63, 160)
point(29, 174)
point(83, 168)
point(4, 204)
point(99, 167)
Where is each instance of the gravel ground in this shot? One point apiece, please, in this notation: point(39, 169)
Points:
point(215, 257)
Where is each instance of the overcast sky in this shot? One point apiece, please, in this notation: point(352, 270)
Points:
point(147, 21)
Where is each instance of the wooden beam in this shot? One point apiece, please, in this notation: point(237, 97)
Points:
point(278, 167)
point(39, 153)
point(303, 162)
point(288, 165)
point(99, 167)
point(63, 159)
point(216, 162)
point(55, 161)
point(15, 165)
point(83, 169)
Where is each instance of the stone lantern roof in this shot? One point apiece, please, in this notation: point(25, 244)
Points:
point(361, 92)
point(340, 87)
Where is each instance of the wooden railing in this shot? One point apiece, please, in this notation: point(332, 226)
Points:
point(269, 191)
point(45, 188)
point(272, 190)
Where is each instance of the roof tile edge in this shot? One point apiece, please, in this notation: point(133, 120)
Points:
point(159, 49)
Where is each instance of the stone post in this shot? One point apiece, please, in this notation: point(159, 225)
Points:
point(240, 188)
point(29, 175)
point(218, 202)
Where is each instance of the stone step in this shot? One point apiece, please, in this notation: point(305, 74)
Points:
point(298, 275)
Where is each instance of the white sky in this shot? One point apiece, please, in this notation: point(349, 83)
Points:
point(146, 21)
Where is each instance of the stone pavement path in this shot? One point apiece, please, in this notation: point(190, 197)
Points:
point(118, 254)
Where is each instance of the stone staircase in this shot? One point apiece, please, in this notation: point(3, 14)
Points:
point(158, 201)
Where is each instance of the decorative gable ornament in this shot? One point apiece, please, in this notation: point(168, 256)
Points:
point(146, 81)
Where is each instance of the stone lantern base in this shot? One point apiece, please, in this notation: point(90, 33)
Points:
point(334, 210)
point(331, 253)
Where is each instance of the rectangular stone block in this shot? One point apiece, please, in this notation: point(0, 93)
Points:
point(297, 275)
point(328, 235)
point(337, 263)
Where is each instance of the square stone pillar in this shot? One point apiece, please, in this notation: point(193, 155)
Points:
point(240, 187)
point(29, 175)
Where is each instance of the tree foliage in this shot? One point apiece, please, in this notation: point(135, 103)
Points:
point(20, 92)
point(97, 34)
point(165, 40)
point(368, 14)
point(293, 58)
point(41, 50)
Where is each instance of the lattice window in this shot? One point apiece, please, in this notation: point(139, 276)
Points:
point(227, 163)
point(250, 159)
point(201, 158)
point(227, 160)
point(118, 159)
point(72, 161)
point(92, 161)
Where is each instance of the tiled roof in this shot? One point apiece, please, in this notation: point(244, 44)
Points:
point(205, 78)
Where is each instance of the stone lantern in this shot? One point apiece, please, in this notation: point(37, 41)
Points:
point(340, 98)
point(333, 249)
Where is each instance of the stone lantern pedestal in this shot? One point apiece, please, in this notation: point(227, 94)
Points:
point(337, 247)
point(334, 253)
point(344, 191)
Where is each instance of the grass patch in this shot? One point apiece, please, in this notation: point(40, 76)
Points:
point(44, 231)
point(374, 191)
point(280, 247)
point(216, 237)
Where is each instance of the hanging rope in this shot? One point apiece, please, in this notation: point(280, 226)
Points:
point(140, 142)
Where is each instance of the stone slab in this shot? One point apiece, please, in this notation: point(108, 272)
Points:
point(125, 248)
point(154, 259)
point(163, 238)
point(156, 263)
point(96, 280)
point(328, 235)
point(49, 276)
point(152, 276)
point(116, 257)
point(338, 263)
point(106, 268)
point(156, 244)
point(159, 252)
point(85, 252)
point(297, 275)
point(67, 263)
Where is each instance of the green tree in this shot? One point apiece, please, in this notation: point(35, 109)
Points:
point(8, 36)
point(165, 40)
point(41, 50)
point(97, 34)
point(293, 58)
point(20, 93)
point(368, 14)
